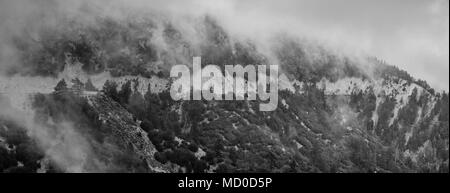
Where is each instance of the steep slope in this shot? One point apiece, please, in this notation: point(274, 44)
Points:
point(125, 129)
point(97, 132)
point(335, 113)
point(401, 114)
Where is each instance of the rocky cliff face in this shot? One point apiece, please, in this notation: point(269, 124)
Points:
point(125, 129)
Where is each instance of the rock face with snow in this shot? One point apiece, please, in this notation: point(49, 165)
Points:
point(112, 110)
point(401, 114)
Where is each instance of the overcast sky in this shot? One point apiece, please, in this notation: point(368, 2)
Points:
point(412, 34)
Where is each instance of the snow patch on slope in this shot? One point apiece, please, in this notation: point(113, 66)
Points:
point(345, 86)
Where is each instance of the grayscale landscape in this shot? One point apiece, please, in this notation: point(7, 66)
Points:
point(362, 86)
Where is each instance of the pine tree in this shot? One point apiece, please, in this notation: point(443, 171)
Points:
point(61, 86)
point(110, 89)
point(125, 92)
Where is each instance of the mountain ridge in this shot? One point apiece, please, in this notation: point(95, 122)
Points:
point(335, 113)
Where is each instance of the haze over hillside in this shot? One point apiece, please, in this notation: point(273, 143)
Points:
point(84, 88)
point(415, 42)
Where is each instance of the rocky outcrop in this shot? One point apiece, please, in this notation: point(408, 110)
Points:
point(125, 128)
